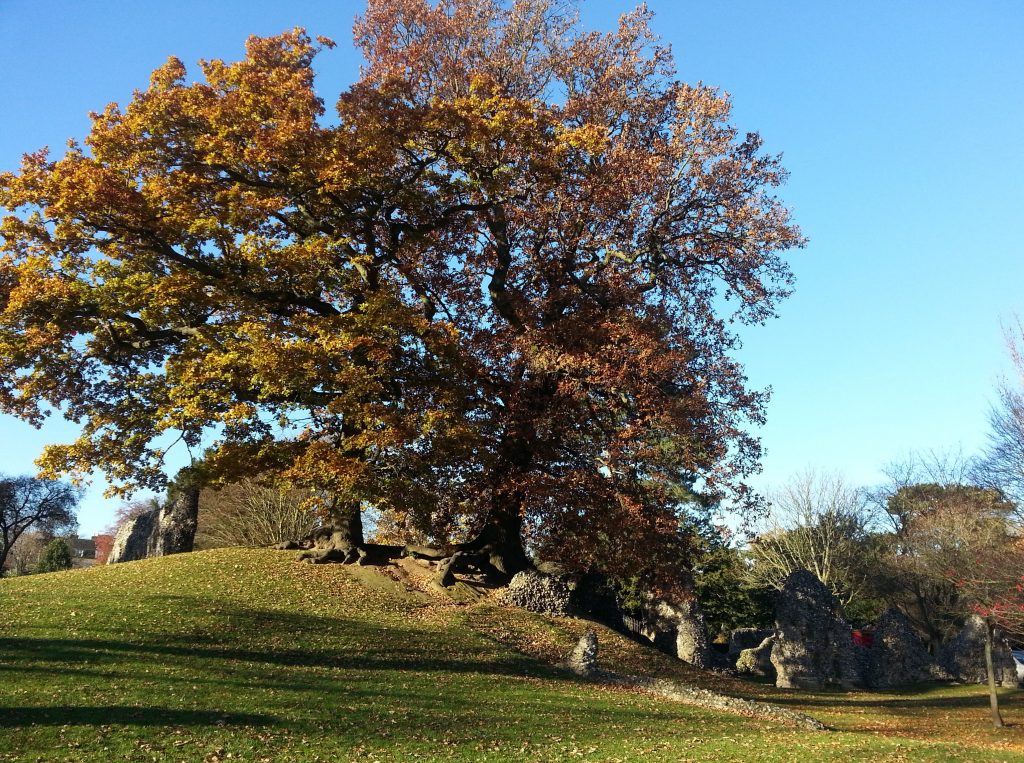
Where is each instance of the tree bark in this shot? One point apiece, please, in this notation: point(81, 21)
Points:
point(497, 551)
point(342, 542)
point(993, 698)
point(5, 549)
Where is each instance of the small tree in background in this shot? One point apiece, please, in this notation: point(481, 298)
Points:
point(251, 513)
point(56, 557)
point(47, 506)
point(25, 552)
point(820, 523)
point(991, 585)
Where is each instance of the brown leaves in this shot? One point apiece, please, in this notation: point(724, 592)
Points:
point(495, 285)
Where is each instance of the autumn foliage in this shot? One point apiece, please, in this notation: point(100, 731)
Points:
point(494, 290)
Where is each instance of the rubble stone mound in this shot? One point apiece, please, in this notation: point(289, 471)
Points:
point(161, 532)
point(964, 656)
point(175, 530)
point(814, 644)
point(537, 592)
point(132, 539)
point(686, 620)
point(757, 661)
point(897, 657)
point(582, 660)
point(745, 638)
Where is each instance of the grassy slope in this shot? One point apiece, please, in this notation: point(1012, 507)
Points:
point(245, 654)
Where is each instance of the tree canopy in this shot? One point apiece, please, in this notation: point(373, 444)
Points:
point(492, 296)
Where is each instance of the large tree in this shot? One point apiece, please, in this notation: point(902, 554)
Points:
point(491, 298)
point(46, 507)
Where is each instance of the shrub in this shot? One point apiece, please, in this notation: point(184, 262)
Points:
point(56, 557)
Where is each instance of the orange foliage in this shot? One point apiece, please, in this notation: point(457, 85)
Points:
point(494, 287)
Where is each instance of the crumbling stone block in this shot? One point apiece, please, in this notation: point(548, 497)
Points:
point(132, 539)
point(582, 660)
point(897, 656)
point(757, 661)
point(537, 592)
point(814, 644)
point(964, 656)
point(746, 638)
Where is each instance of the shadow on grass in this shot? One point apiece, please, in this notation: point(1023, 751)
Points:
point(360, 679)
point(61, 715)
point(916, 700)
point(66, 655)
point(359, 645)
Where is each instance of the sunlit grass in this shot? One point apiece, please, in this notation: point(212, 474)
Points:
point(247, 655)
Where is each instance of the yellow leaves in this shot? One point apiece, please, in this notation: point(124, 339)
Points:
point(167, 76)
point(589, 138)
point(324, 464)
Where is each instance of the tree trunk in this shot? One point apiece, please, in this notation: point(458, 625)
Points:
point(342, 542)
point(496, 552)
point(338, 542)
point(993, 698)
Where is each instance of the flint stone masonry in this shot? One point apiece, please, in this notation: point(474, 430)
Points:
point(684, 620)
point(862, 663)
point(132, 539)
point(897, 657)
point(161, 532)
point(537, 592)
point(745, 638)
point(814, 644)
point(757, 661)
point(175, 531)
point(964, 656)
point(582, 660)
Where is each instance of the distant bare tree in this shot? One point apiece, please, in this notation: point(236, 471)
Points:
point(251, 513)
point(25, 552)
point(820, 523)
point(132, 509)
point(1001, 465)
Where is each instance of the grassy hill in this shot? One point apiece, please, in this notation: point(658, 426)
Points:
point(245, 655)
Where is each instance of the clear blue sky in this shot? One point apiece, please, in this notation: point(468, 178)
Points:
point(902, 124)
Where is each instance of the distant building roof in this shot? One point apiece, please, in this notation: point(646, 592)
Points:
point(83, 548)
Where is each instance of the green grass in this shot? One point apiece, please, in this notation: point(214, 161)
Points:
point(246, 655)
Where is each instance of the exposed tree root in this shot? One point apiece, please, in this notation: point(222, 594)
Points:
point(496, 553)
